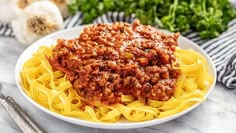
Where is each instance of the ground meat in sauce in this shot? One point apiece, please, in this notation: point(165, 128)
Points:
point(108, 60)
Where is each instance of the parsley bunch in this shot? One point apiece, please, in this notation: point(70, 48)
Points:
point(208, 17)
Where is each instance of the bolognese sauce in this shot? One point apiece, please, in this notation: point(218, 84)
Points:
point(108, 60)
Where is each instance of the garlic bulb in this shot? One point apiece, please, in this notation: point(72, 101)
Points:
point(37, 20)
point(8, 10)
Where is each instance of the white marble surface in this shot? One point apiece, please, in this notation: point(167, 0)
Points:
point(216, 115)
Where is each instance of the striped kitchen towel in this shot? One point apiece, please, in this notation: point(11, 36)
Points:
point(5, 29)
point(222, 49)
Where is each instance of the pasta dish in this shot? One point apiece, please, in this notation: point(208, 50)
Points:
point(115, 71)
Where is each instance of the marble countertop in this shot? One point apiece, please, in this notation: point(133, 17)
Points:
point(216, 115)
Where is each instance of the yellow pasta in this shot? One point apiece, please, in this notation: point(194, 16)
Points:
point(52, 90)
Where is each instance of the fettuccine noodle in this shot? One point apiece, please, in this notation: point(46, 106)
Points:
point(51, 89)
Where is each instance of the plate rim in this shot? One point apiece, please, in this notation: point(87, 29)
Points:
point(78, 121)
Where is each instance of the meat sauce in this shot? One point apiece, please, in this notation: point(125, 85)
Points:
point(108, 60)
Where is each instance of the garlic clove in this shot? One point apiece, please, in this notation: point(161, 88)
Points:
point(37, 20)
point(23, 3)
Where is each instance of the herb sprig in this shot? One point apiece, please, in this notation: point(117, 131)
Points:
point(208, 17)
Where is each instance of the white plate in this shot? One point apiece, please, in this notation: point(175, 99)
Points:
point(184, 43)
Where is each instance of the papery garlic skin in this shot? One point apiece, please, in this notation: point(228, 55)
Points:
point(8, 10)
point(37, 20)
point(19, 28)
